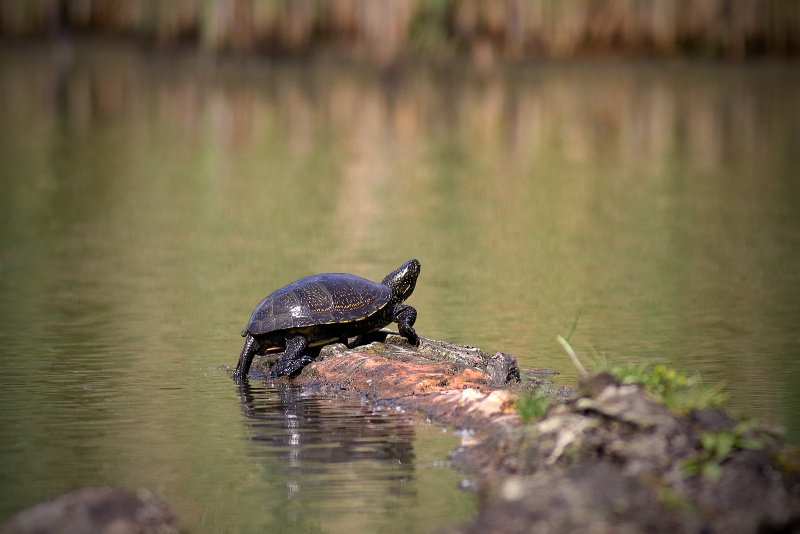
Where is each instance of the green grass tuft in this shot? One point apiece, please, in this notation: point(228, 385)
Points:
point(678, 392)
point(532, 405)
point(717, 447)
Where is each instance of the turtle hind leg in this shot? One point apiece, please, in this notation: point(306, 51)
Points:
point(246, 358)
point(406, 316)
point(293, 360)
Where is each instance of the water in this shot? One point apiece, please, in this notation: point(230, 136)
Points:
point(334, 466)
point(148, 203)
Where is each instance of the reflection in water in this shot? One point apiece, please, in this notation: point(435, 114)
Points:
point(326, 455)
point(315, 434)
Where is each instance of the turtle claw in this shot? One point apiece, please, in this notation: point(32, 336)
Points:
point(290, 368)
point(410, 336)
point(406, 316)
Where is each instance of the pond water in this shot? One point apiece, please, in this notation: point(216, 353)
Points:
point(148, 203)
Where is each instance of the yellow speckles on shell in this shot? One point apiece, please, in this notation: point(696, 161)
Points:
point(319, 300)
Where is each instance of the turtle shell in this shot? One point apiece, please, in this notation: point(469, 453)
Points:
point(319, 300)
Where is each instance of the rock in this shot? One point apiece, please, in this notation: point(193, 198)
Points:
point(594, 497)
point(96, 510)
point(503, 369)
point(612, 459)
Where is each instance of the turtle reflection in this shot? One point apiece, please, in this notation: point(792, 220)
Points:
point(324, 444)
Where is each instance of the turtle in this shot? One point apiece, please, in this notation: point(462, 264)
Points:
point(323, 309)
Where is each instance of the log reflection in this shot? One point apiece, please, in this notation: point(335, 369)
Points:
point(324, 443)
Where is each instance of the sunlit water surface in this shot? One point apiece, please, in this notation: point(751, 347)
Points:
point(148, 203)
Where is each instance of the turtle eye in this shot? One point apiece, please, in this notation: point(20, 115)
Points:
point(403, 280)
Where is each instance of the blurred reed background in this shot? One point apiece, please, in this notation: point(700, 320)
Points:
point(384, 31)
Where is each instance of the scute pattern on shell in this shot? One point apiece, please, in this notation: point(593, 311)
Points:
point(320, 299)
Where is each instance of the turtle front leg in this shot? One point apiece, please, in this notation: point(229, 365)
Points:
point(246, 358)
point(293, 360)
point(405, 316)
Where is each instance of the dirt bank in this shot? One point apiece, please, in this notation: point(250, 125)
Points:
point(610, 458)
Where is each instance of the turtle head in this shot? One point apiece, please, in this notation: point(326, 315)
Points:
point(402, 281)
